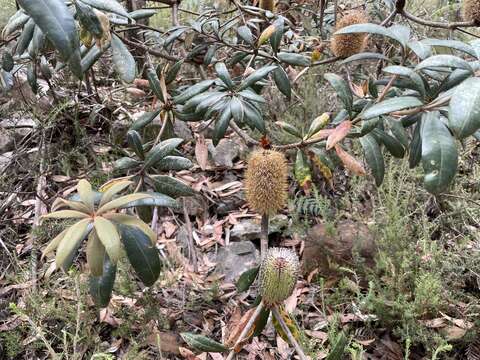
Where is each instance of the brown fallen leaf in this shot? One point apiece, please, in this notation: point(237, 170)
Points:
point(201, 152)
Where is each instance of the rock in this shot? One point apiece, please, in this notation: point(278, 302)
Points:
point(235, 258)
point(250, 229)
point(339, 242)
point(13, 130)
point(119, 130)
point(225, 153)
point(182, 130)
point(231, 203)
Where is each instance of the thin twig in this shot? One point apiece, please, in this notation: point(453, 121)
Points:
point(246, 330)
point(192, 254)
point(436, 24)
point(289, 334)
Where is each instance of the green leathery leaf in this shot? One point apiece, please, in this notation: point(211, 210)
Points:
point(202, 343)
point(245, 33)
point(444, 61)
point(95, 252)
point(223, 74)
point(108, 235)
point(250, 95)
point(292, 130)
point(256, 76)
point(246, 279)
point(100, 288)
point(261, 321)
point(393, 146)
point(154, 83)
point(282, 81)
point(172, 72)
point(159, 151)
point(221, 124)
point(153, 199)
point(37, 43)
point(192, 91)
point(32, 78)
point(439, 153)
point(7, 62)
point(372, 29)
point(144, 120)
point(135, 143)
point(464, 109)
point(92, 55)
point(421, 50)
point(142, 13)
point(342, 89)
point(407, 72)
point(236, 108)
point(15, 22)
point(88, 19)
point(176, 163)
point(170, 186)
point(294, 59)
point(415, 155)
point(452, 44)
point(25, 37)
point(57, 23)
point(390, 105)
point(125, 163)
point(374, 157)
point(398, 131)
point(108, 5)
point(70, 243)
point(251, 113)
point(123, 60)
point(141, 253)
point(365, 56)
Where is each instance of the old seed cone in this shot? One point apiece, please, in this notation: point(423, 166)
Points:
point(266, 181)
point(471, 10)
point(349, 44)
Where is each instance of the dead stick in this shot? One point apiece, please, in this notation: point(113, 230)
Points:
point(289, 334)
point(246, 330)
point(264, 236)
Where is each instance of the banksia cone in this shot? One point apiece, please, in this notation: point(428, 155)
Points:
point(278, 275)
point(349, 44)
point(471, 10)
point(267, 5)
point(266, 181)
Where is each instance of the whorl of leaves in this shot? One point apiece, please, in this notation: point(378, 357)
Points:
point(349, 44)
point(266, 181)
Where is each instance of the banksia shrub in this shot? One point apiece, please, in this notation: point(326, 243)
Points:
point(471, 10)
point(349, 44)
point(267, 5)
point(278, 275)
point(266, 181)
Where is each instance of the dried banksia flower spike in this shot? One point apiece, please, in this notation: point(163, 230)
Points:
point(471, 11)
point(266, 181)
point(278, 275)
point(266, 186)
point(346, 45)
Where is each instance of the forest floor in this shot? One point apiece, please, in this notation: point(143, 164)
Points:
point(388, 273)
